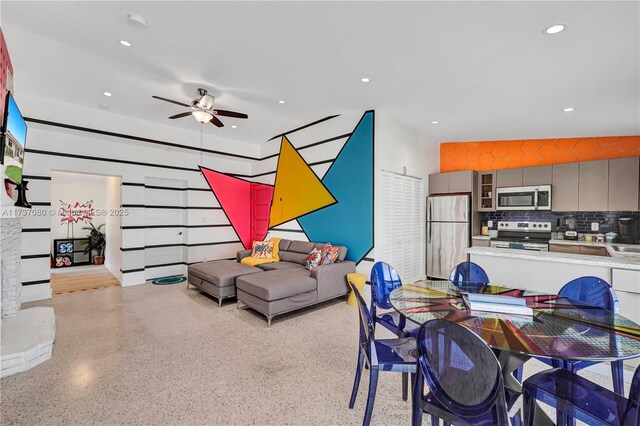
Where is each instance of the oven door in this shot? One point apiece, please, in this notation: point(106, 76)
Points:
point(519, 198)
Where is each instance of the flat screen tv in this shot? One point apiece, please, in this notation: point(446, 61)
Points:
point(14, 135)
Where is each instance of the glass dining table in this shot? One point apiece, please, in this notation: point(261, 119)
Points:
point(560, 328)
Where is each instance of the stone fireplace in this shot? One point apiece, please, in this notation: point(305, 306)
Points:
point(27, 334)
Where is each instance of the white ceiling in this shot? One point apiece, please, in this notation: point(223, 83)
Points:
point(484, 70)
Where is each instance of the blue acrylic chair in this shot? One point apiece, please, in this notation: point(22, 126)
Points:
point(575, 397)
point(468, 272)
point(592, 291)
point(463, 375)
point(385, 279)
point(380, 355)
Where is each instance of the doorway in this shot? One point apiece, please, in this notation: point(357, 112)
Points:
point(165, 248)
point(81, 203)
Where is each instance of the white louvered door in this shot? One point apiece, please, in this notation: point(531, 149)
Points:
point(400, 240)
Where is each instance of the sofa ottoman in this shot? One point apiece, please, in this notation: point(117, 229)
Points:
point(278, 291)
point(218, 277)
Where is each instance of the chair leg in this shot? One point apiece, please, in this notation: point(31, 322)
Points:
point(356, 380)
point(617, 373)
point(528, 405)
point(518, 373)
point(435, 421)
point(373, 383)
point(405, 386)
point(416, 399)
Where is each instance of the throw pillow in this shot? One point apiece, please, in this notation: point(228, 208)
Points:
point(329, 254)
point(314, 258)
point(262, 249)
point(276, 247)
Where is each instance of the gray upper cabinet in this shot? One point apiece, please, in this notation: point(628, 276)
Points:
point(541, 175)
point(508, 177)
point(593, 194)
point(445, 183)
point(624, 177)
point(439, 183)
point(564, 192)
point(461, 181)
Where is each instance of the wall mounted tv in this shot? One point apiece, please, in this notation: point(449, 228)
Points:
point(14, 135)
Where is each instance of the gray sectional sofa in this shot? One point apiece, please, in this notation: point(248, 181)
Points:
point(274, 288)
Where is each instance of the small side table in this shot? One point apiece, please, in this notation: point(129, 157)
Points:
point(358, 280)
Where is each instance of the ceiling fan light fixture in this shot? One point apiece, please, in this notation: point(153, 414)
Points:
point(202, 116)
point(206, 102)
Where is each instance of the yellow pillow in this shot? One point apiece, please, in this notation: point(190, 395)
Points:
point(276, 245)
point(254, 261)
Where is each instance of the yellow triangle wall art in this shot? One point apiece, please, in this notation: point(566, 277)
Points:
point(298, 190)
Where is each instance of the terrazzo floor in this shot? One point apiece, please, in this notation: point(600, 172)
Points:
point(167, 355)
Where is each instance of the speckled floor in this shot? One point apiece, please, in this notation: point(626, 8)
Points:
point(166, 355)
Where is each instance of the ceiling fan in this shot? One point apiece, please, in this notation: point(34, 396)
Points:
point(202, 109)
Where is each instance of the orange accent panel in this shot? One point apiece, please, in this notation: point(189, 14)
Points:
point(494, 155)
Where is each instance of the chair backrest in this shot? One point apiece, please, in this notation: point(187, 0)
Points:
point(592, 291)
point(384, 279)
point(461, 371)
point(366, 324)
point(468, 272)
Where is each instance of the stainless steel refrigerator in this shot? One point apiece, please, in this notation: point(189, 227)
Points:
point(448, 233)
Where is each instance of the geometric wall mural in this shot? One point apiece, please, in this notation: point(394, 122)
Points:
point(350, 178)
point(495, 155)
point(234, 196)
point(298, 190)
point(337, 208)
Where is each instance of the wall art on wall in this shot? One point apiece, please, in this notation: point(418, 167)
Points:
point(72, 213)
point(235, 198)
point(298, 190)
point(495, 155)
point(350, 179)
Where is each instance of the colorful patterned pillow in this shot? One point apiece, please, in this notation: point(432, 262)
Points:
point(313, 259)
point(262, 249)
point(329, 254)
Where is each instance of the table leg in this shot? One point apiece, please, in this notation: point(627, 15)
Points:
point(509, 362)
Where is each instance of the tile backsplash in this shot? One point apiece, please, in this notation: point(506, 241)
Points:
point(608, 220)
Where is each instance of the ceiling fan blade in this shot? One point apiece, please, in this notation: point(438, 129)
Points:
point(182, 114)
point(226, 113)
point(171, 101)
point(214, 120)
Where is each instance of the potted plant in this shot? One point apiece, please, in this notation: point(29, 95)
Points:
point(97, 242)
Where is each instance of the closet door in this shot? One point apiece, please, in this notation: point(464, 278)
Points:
point(401, 225)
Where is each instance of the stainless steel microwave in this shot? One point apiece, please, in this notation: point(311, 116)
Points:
point(524, 198)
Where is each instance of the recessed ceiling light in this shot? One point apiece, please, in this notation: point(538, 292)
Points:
point(125, 43)
point(365, 80)
point(434, 122)
point(568, 109)
point(234, 127)
point(280, 101)
point(555, 29)
point(108, 94)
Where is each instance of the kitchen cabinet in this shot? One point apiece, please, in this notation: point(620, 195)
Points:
point(564, 193)
point(561, 248)
point(593, 186)
point(461, 181)
point(594, 251)
point(578, 249)
point(624, 179)
point(439, 183)
point(477, 242)
point(541, 175)
point(453, 182)
point(487, 191)
point(508, 177)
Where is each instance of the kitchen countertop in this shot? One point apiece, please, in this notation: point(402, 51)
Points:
point(610, 249)
point(482, 237)
point(619, 261)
